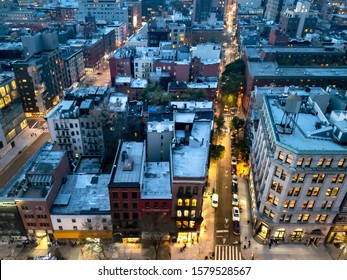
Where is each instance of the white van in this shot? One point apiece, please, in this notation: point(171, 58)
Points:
point(215, 200)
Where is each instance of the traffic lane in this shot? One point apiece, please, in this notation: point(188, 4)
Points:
point(21, 159)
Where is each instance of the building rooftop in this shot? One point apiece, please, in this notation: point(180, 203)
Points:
point(88, 165)
point(123, 80)
point(157, 181)
point(155, 126)
point(64, 109)
point(118, 102)
point(185, 117)
point(83, 193)
point(191, 160)
point(192, 104)
point(307, 137)
point(129, 166)
point(271, 69)
point(138, 83)
point(203, 85)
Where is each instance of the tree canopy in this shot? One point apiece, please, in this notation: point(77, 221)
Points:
point(217, 151)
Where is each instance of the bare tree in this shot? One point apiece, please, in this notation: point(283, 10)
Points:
point(96, 238)
point(157, 231)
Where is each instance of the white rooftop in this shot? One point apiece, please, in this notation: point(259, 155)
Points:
point(157, 181)
point(191, 160)
point(160, 126)
point(185, 117)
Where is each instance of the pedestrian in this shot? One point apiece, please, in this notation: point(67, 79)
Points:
point(245, 237)
point(244, 246)
point(270, 245)
point(249, 243)
point(248, 222)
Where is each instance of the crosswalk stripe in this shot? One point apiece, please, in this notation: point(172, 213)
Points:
point(227, 252)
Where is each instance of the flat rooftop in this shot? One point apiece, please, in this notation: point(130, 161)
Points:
point(89, 165)
point(191, 160)
point(157, 181)
point(118, 102)
point(192, 104)
point(185, 117)
point(300, 141)
point(155, 126)
point(83, 193)
point(271, 69)
point(130, 163)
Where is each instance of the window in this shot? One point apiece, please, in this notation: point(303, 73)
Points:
point(308, 162)
point(276, 199)
point(75, 228)
point(124, 195)
point(335, 192)
point(126, 215)
point(270, 198)
point(274, 185)
point(195, 190)
point(341, 162)
point(300, 217)
point(135, 215)
point(292, 204)
point(179, 213)
point(328, 192)
point(289, 159)
point(341, 178)
point(321, 178)
point(134, 195)
point(134, 205)
point(89, 220)
point(321, 218)
point(277, 172)
point(320, 162)
point(165, 205)
point(60, 228)
point(296, 234)
point(58, 220)
point(180, 202)
point(115, 205)
point(279, 188)
point(26, 207)
point(283, 175)
point(295, 178)
point(297, 191)
point(180, 190)
point(300, 162)
point(147, 204)
point(329, 204)
point(329, 162)
point(301, 178)
point(125, 205)
point(73, 220)
point(186, 202)
point(288, 218)
point(272, 215)
point(306, 217)
point(334, 179)
point(304, 205)
point(290, 192)
point(188, 190)
point(185, 213)
point(266, 211)
point(281, 155)
point(194, 202)
point(156, 206)
point(310, 204)
point(315, 178)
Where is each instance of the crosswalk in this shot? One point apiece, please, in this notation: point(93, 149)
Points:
point(227, 252)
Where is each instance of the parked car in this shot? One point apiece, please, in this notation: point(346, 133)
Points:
point(236, 228)
point(233, 161)
point(235, 188)
point(215, 200)
point(236, 214)
point(235, 179)
point(233, 169)
point(235, 200)
point(232, 152)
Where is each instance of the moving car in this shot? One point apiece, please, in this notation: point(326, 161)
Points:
point(236, 214)
point(215, 200)
point(236, 228)
point(235, 200)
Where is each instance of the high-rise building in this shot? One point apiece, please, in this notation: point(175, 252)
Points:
point(201, 10)
point(274, 9)
point(151, 8)
point(12, 117)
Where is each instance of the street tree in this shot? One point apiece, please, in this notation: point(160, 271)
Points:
point(237, 123)
point(157, 231)
point(220, 121)
point(96, 238)
point(217, 151)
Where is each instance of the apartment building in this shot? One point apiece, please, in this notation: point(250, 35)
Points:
point(298, 165)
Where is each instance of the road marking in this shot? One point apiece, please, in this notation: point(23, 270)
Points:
point(222, 230)
point(227, 252)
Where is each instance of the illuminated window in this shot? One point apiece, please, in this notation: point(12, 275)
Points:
point(328, 162)
point(308, 162)
point(7, 99)
point(13, 84)
point(270, 198)
point(179, 213)
point(281, 155)
point(334, 178)
point(186, 202)
point(300, 162)
point(341, 162)
point(276, 199)
point(321, 162)
point(296, 234)
point(321, 178)
point(178, 224)
point(316, 191)
point(341, 178)
point(304, 205)
point(297, 191)
point(335, 192)
point(179, 202)
point(292, 204)
point(315, 178)
point(301, 178)
point(286, 204)
point(289, 159)
point(194, 202)
point(2, 103)
point(191, 224)
point(310, 204)
point(318, 217)
point(306, 217)
point(2, 91)
point(300, 217)
point(186, 213)
point(295, 178)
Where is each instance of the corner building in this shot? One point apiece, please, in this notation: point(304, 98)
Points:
point(298, 167)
